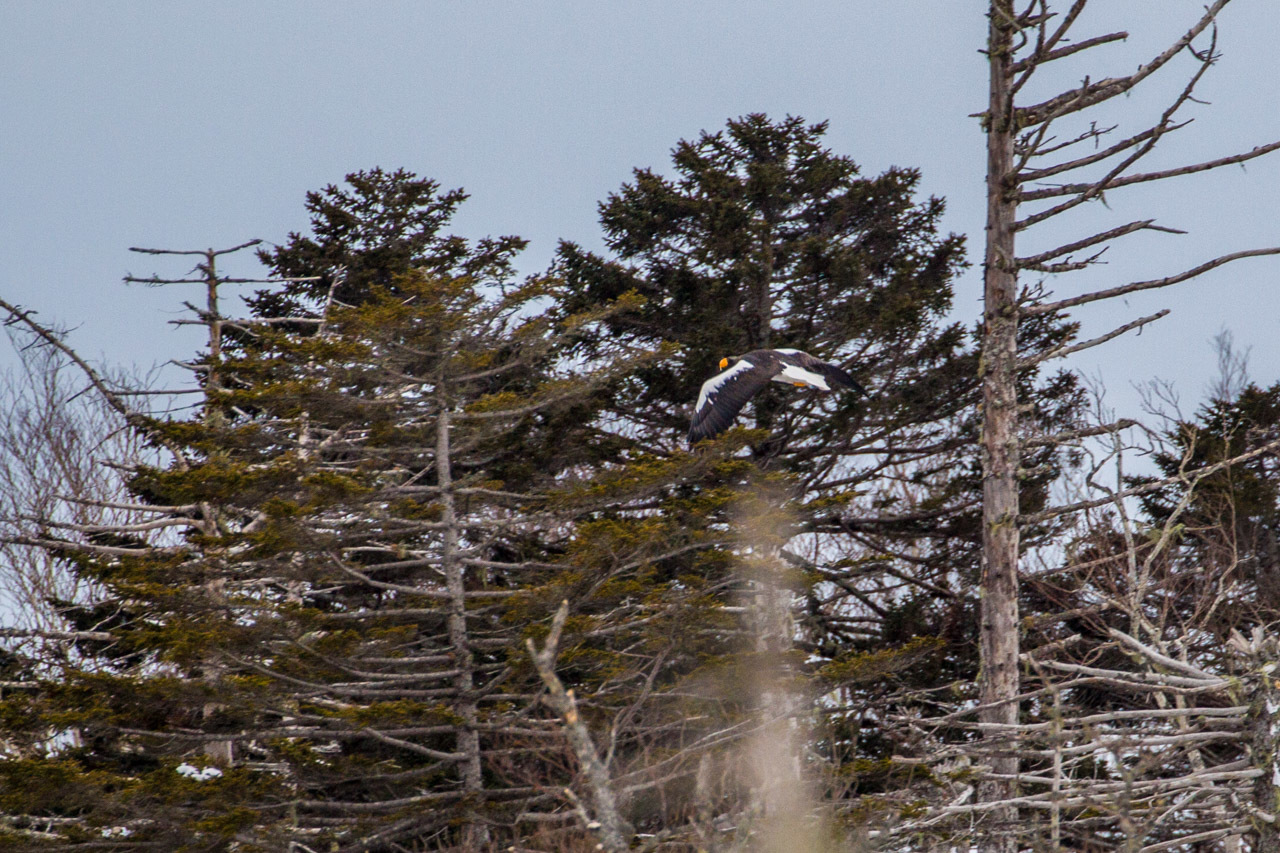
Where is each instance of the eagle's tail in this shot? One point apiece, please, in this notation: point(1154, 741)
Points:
point(843, 379)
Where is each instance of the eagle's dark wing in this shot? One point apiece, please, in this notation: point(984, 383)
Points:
point(724, 395)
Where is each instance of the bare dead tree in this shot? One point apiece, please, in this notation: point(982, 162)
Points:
point(50, 435)
point(55, 445)
point(1024, 151)
point(1189, 742)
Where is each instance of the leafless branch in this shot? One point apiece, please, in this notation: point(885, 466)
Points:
point(133, 418)
point(609, 825)
point(1046, 56)
point(1049, 307)
point(1189, 477)
point(1030, 175)
point(1074, 434)
point(1071, 189)
point(1034, 261)
point(200, 252)
point(1064, 351)
point(1091, 93)
point(36, 633)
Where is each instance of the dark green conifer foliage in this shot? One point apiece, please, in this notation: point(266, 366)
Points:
point(1230, 525)
point(764, 238)
point(364, 234)
point(760, 236)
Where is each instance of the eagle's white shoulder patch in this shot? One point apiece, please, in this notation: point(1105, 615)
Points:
point(715, 383)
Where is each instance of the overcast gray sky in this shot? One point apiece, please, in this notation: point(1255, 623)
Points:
point(191, 124)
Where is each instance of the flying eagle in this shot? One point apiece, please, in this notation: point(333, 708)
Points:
point(742, 376)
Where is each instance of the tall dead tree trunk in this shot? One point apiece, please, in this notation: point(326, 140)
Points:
point(1028, 167)
point(999, 637)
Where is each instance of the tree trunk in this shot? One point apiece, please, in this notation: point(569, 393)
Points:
point(1263, 723)
point(999, 630)
point(222, 751)
point(782, 805)
point(475, 835)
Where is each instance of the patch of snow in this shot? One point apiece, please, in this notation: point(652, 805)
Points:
point(198, 773)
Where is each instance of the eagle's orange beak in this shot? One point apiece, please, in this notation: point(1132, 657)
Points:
point(724, 362)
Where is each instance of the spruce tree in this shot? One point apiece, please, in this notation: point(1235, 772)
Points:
point(1228, 521)
point(760, 236)
point(366, 232)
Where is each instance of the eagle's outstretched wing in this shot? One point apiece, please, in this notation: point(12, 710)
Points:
point(724, 395)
